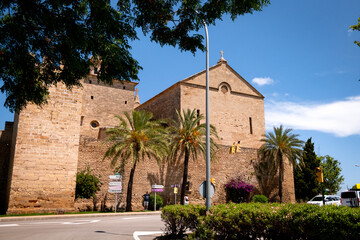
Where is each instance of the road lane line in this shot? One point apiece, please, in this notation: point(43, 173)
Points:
point(132, 218)
point(143, 233)
point(9, 225)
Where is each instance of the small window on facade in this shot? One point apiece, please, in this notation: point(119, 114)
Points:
point(90, 81)
point(123, 87)
point(81, 120)
point(224, 89)
point(94, 124)
point(125, 102)
point(250, 124)
point(197, 115)
point(92, 97)
point(95, 70)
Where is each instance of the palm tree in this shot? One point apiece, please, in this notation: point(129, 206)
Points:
point(134, 138)
point(188, 139)
point(282, 143)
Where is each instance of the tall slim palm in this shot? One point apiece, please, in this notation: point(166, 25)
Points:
point(282, 143)
point(188, 139)
point(134, 138)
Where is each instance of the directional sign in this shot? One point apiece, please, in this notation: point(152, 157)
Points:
point(115, 177)
point(202, 189)
point(114, 183)
point(115, 189)
point(157, 186)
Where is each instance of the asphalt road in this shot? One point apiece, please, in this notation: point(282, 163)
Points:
point(138, 227)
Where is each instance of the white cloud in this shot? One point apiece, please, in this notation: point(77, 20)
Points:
point(263, 81)
point(341, 118)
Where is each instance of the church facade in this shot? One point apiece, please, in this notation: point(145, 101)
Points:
point(45, 147)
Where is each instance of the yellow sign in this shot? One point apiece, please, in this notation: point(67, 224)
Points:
point(319, 174)
point(175, 190)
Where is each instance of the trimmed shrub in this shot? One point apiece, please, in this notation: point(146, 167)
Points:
point(264, 221)
point(180, 218)
point(260, 199)
point(159, 202)
point(87, 184)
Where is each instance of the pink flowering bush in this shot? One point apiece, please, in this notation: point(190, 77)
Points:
point(238, 191)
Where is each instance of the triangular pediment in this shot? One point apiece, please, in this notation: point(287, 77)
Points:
point(221, 74)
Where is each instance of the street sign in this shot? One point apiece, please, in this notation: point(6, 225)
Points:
point(114, 183)
point(175, 190)
point(115, 177)
point(157, 186)
point(157, 189)
point(202, 189)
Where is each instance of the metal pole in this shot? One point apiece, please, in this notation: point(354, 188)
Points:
point(155, 202)
point(208, 174)
point(208, 198)
point(115, 201)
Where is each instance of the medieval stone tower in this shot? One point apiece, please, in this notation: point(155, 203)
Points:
point(45, 145)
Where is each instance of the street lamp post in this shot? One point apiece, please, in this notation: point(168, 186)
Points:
point(208, 173)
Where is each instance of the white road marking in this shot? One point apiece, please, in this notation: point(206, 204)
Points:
point(132, 218)
point(9, 225)
point(75, 222)
point(143, 233)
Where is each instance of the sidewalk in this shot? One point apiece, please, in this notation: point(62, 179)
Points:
point(44, 217)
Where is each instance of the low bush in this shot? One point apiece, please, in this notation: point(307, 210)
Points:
point(159, 202)
point(260, 199)
point(181, 218)
point(264, 221)
point(87, 184)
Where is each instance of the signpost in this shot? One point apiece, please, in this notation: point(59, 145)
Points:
point(176, 188)
point(156, 188)
point(115, 186)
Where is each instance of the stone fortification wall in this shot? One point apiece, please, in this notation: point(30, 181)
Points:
point(45, 154)
point(5, 150)
point(148, 172)
point(164, 104)
point(101, 103)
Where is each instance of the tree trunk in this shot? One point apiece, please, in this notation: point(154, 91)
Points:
point(129, 189)
point(185, 176)
point(281, 176)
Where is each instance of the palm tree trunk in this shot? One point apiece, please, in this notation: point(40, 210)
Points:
point(129, 189)
point(281, 176)
point(185, 176)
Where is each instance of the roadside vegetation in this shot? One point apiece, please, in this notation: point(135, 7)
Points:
point(261, 221)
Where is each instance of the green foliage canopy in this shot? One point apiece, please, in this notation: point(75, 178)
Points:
point(357, 28)
point(87, 184)
point(46, 42)
point(306, 184)
point(332, 174)
point(138, 135)
point(279, 144)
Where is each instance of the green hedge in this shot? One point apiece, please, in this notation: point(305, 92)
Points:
point(159, 202)
point(264, 221)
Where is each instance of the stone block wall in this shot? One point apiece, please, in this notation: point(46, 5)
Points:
point(45, 154)
point(225, 167)
point(5, 150)
point(101, 103)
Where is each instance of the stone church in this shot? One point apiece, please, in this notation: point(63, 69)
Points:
point(44, 148)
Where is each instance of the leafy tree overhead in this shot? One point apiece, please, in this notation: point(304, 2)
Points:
point(306, 184)
point(137, 136)
point(47, 42)
point(279, 144)
point(188, 139)
point(332, 174)
point(357, 28)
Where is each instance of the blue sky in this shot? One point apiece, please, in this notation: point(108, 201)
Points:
point(299, 54)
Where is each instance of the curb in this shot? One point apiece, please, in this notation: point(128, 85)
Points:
point(90, 215)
